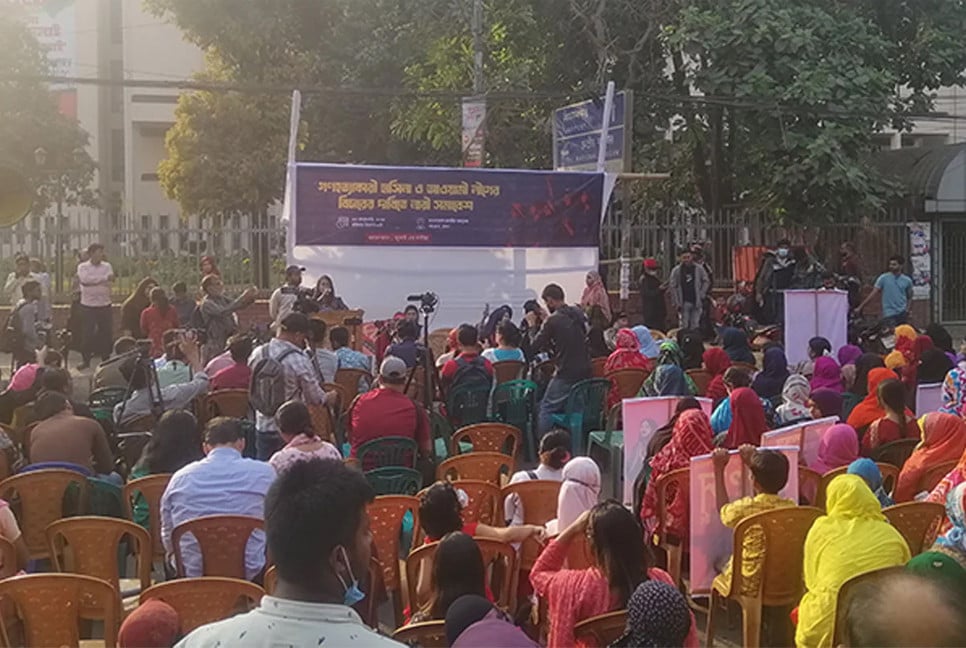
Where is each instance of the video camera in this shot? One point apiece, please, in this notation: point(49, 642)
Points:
point(428, 301)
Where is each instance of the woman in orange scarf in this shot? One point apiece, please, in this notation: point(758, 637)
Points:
point(943, 439)
point(869, 409)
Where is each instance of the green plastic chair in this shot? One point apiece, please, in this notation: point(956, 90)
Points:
point(611, 443)
point(395, 480)
point(515, 403)
point(584, 412)
point(102, 402)
point(467, 405)
point(387, 451)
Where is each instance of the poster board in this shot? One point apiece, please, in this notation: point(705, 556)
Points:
point(812, 432)
point(929, 398)
point(711, 541)
point(814, 313)
point(790, 435)
point(382, 233)
point(642, 418)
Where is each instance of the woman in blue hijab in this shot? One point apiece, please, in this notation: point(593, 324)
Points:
point(871, 475)
point(649, 348)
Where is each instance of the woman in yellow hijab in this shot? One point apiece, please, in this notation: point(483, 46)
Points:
point(852, 538)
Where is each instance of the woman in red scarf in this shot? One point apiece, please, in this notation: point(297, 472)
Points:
point(691, 438)
point(747, 419)
point(627, 355)
point(870, 409)
point(716, 362)
point(913, 355)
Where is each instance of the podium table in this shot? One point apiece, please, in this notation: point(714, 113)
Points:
point(350, 319)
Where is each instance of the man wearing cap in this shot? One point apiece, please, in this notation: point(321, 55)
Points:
point(653, 306)
point(285, 297)
point(301, 382)
point(387, 412)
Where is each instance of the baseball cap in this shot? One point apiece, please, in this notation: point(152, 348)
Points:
point(650, 263)
point(393, 370)
point(294, 268)
point(295, 323)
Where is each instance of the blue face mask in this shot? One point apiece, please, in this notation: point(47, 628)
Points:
point(352, 592)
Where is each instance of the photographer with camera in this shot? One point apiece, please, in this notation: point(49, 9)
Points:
point(286, 297)
point(217, 315)
point(138, 370)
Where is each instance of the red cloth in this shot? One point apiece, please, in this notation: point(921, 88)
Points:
point(910, 373)
point(627, 355)
point(236, 376)
point(154, 323)
point(691, 437)
point(869, 409)
point(716, 362)
point(747, 419)
point(574, 595)
point(885, 430)
point(153, 623)
point(384, 412)
point(469, 528)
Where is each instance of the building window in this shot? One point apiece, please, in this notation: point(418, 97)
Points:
point(117, 155)
point(117, 22)
point(117, 90)
point(149, 177)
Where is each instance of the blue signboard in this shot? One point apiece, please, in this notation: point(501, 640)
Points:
point(577, 129)
point(368, 205)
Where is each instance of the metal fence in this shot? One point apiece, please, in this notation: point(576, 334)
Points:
point(166, 248)
point(662, 232)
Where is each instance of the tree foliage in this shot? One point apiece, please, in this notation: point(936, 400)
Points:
point(769, 103)
point(30, 119)
point(226, 151)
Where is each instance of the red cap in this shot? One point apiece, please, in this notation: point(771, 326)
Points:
point(650, 264)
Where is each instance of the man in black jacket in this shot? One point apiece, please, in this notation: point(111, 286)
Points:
point(566, 332)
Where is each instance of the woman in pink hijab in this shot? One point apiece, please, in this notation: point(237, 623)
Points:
point(839, 447)
point(827, 375)
point(595, 294)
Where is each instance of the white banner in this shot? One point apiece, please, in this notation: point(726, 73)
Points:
point(814, 313)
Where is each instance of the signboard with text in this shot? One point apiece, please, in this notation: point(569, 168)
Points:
point(346, 205)
point(577, 130)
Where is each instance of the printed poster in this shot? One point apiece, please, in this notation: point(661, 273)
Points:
point(711, 541)
point(920, 258)
point(642, 418)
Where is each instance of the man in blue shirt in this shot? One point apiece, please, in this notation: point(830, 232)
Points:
point(896, 291)
point(223, 483)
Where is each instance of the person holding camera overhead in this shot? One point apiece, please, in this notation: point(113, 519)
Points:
point(218, 314)
point(136, 370)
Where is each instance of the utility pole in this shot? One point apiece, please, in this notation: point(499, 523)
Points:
point(477, 26)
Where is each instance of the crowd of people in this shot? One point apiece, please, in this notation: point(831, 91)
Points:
point(596, 555)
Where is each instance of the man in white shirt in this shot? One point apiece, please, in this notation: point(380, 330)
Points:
point(95, 277)
point(283, 300)
point(318, 535)
point(223, 483)
point(301, 381)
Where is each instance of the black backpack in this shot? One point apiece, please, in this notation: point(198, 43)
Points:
point(471, 373)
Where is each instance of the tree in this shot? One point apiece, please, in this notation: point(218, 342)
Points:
point(226, 150)
point(30, 120)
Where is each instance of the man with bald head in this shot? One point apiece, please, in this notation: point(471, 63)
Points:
point(902, 609)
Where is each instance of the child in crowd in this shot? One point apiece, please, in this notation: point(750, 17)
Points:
point(769, 470)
